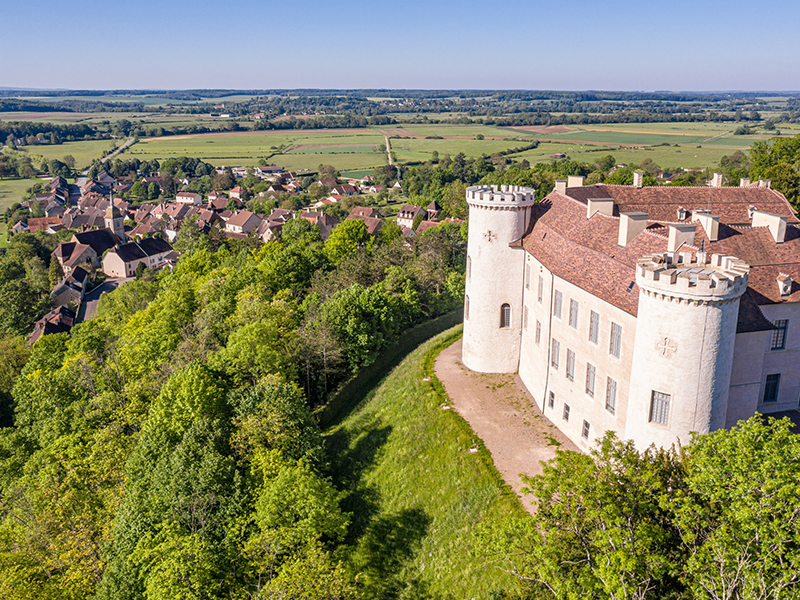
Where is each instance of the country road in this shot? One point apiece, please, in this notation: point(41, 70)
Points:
point(116, 151)
point(388, 149)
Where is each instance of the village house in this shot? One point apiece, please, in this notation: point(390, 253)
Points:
point(70, 290)
point(323, 220)
point(59, 320)
point(191, 198)
point(238, 193)
point(242, 222)
point(371, 217)
point(123, 260)
point(85, 247)
point(407, 214)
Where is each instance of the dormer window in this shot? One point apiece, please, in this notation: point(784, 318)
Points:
point(683, 214)
point(785, 284)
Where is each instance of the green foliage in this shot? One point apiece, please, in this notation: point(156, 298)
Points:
point(346, 239)
point(716, 519)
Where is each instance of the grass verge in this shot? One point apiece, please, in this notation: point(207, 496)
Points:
point(419, 482)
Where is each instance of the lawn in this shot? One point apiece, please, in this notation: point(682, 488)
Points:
point(417, 492)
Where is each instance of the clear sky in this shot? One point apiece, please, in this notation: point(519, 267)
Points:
point(506, 44)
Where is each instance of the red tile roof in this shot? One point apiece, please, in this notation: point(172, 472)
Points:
point(585, 251)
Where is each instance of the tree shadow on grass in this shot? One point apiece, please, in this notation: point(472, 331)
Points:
point(385, 550)
point(349, 462)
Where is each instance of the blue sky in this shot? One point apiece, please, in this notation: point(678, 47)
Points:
point(506, 44)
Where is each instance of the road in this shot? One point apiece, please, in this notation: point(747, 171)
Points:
point(388, 149)
point(119, 149)
point(90, 301)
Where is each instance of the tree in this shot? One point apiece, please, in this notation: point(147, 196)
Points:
point(69, 160)
point(55, 273)
point(739, 517)
point(600, 529)
point(346, 239)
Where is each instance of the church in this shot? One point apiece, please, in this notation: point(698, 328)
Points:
point(653, 312)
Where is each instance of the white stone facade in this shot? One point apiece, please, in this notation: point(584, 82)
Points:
point(675, 366)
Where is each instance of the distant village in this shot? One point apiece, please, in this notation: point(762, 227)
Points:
point(115, 240)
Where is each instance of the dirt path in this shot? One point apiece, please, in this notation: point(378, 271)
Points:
point(502, 413)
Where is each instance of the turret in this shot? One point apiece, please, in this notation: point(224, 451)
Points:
point(683, 352)
point(493, 316)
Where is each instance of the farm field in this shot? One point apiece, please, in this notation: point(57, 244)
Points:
point(84, 151)
point(421, 149)
point(13, 190)
point(345, 149)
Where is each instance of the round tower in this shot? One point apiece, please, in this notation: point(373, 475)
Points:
point(683, 352)
point(493, 315)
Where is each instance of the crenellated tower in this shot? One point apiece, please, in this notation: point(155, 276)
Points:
point(683, 351)
point(493, 315)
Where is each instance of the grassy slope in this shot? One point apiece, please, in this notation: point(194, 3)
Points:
point(417, 491)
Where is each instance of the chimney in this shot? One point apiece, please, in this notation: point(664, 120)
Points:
point(776, 224)
point(764, 183)
point(631, 224)
point(716, 180)
point(602, 205)
point(744, 182)
point(561, 186)
point(709, 223)
point(575, 180)
point(638, 179)
point(679, 235)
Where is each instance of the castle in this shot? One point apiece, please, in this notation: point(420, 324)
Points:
point(650, 311)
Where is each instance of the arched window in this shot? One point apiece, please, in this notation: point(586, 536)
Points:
point(466, 307)
point(469, 268)
point(505, 316)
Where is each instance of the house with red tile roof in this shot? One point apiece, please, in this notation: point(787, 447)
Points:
point(652, 312)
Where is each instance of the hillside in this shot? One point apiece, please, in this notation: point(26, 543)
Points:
point(417, 492)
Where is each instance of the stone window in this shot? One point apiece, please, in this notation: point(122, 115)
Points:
point(771, 388)
point(590, 373)
point(555, 353)
point(541, 289)
point(616, 340)
point(779, 334)
point(469, 267)
point(573, 314)
point(570, 365)
point(659, 408)
point(585, 430)
point(538, 333)
point(557, 305)
point(525, 317)
point(505, 316)
point(565, 414)
point(551, 400)
point(611, 396)
point(466, 307)
point(594, 327)
point(527, 277)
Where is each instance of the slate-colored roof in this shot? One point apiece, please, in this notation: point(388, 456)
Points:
point(100, 240)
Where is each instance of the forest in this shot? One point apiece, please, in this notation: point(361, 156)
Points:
point(168, 448)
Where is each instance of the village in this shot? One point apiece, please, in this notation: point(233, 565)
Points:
point(115, 240)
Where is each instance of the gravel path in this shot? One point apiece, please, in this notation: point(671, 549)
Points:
point(503, 414)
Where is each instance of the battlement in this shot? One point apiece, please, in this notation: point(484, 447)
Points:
point(692, 277)
point(500, 197)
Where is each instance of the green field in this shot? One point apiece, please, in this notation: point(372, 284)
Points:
point(13, 190)
point(84, 152)
point(418, 493)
